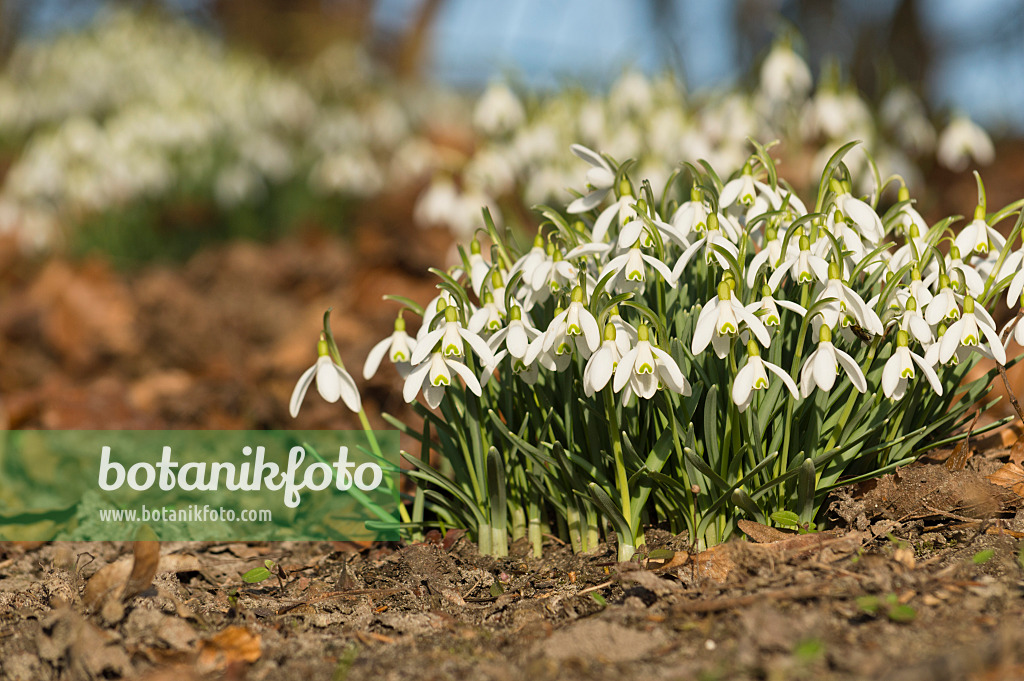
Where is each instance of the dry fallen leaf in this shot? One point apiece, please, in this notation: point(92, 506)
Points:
point(110, 578)
point(145, 561)
point(1011, 476)
point(229, 647)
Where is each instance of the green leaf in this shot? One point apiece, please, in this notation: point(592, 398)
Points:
point(257, 575)
point(785, 519)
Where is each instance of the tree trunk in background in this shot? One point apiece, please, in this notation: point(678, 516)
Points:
point(292, 30)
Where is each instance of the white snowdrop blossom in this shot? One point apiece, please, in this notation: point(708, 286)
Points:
point(645, 367)
point(719, 321)
point(433, 375)
point(803, 267)
point(968, 331)
point(710, 242)
point(332, 382)
point(398, 347)
point(961, 141)
point(498, 110)
point(451, 335)
point(944, 305)
point(823, 365)
point(600, 179)
point(978, 236)
point(899, 369)
point(602, 363)
point(784, 75)
point(516, 335)
point(574, 325)
point(753, 375)
point(846, 303)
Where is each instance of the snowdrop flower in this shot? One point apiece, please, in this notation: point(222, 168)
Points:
point(498, 110)
point(803, 267)
point(692, 217)
point(643, 367)
point(824, 363)
point(516, 336)
point(978, 236)
point(625, 333)
point(712, 238)
point(770, 255)
point(859, 212)
point(630, 270)
point(913, 323)
point(961, 141)
point(575, 325)
point(846, 303)
point(784, 75)
point(398, 347)
point(332, 382)
point(451, 336)
point(478, 267)
point(602, 363)
point(913, 250)
point(753, 376)
point(743, 190)
point(719, 321)
point(967, 332)
point(767, 309)
point(899, 369)
point(434, 375)
point(435, 307)
point(945, 305)
point(973, 282)
point(487, 318)
point(600, 179)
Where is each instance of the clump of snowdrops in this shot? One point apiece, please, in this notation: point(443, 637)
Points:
point(713, 351)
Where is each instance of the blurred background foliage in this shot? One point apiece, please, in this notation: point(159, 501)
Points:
point(145, 129)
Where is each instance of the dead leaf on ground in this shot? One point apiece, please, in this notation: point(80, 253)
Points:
point(1017, 452)
point(145, 561)
point(1011, 476)
point(229, 647)
point(113, 578)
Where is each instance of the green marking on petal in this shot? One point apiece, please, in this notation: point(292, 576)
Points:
point(452, 349)
point(440, 381)
point(645, 368)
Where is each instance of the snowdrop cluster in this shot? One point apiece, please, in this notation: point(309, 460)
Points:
point(656, 121)
point(722, 329)
point(145, 110)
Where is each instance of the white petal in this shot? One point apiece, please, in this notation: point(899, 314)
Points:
point(587, 202)
point(786, 378)
point(705, 327)
point(479, 345)
point(661, 268)
point(755, 325)
point(951, 341)
point(891, 375)
point(374, 358)
point(853, 370)
point(598, 371)
point(630, 233)
point(994, 343)
point(625, 369)
point(328, 381)
point(300, 390)
point(349, 391)
point(414, 381)
point(591, 331)
point(433, 394)
point(590, 156)
point(603, 222)
point(425, 345)
point(825, 366)
point(670, 373)
point(462, 370)
point(730, 192)
point(743, 385)
point(929, 373)
point(517, 341)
